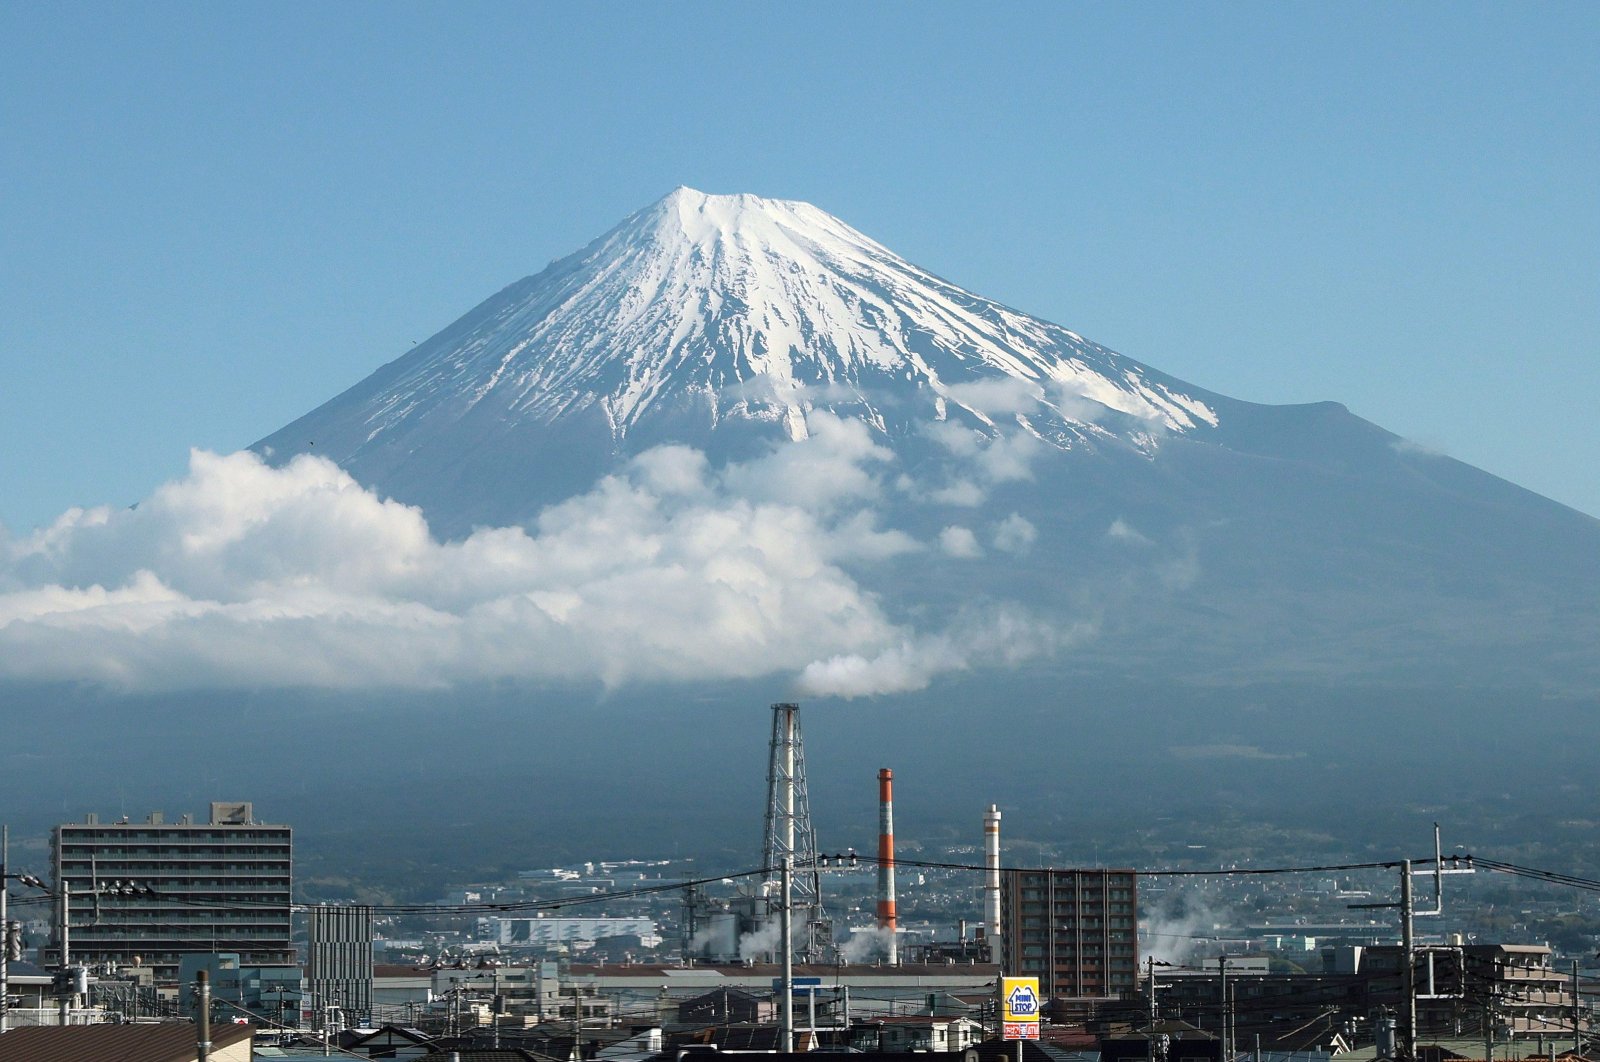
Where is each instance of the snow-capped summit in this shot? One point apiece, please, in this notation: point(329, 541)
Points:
point(704, 309)
point(780, 298)
point(1018, 461)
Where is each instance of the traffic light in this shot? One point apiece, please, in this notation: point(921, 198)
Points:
point(13, 941)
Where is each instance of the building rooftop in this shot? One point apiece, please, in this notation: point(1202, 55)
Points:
point(826, 971)
point(164, 1042)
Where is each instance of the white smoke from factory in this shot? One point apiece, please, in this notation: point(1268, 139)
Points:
point(716, 939)
point(868, 944)
point(1177, 926)
point(761, 943)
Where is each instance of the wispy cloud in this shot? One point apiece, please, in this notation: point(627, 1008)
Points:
point(1122, 531)
point(959, 541)
point(1015, 534)
point(997, 396)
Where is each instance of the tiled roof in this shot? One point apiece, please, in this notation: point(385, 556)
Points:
point(166, 1042)
point(385, 969)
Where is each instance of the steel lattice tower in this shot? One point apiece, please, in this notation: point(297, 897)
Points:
point(789, 831)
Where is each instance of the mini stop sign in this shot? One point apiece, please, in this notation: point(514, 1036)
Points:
point(1021, 998)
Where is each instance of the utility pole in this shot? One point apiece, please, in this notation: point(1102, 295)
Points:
point(1577, 1017)
point(1222, 969)
point(1407, 1047)
point(65, 1000)
point(5, 927)
point(1408, 968)
point(577, 1024)
point(786, 946)
point(202, 1028)
point(65, 900)
point(1150, 983)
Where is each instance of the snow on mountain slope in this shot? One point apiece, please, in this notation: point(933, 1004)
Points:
point(738, 308)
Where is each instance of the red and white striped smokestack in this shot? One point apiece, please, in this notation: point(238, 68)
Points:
point(886, 912)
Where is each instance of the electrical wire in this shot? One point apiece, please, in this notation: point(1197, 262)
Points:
point(856, 859)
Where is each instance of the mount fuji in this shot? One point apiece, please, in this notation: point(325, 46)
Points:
point(1193, 534)
point(717, 320)
point(734, 451)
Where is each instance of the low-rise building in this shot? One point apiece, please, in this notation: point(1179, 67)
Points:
point(723, 1005)
point(269, 993)
point(548, 933)
point(925, 1032)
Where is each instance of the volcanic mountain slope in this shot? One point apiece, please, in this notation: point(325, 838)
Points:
point(719, 317)
point(1194, 532)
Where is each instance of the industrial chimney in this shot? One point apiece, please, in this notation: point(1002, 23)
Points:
point(991, 878)
point(886, 911)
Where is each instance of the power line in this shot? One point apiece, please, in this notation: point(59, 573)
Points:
point(229, 903)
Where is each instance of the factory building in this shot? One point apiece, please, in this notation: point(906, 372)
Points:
point(148, 893)
point(1076, 930)
point(550, 932)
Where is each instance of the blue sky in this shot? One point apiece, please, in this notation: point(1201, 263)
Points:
point(215, 217)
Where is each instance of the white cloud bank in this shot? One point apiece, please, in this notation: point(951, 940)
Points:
point(241, 574)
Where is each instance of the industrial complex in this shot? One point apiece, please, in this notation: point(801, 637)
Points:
point(197, 923)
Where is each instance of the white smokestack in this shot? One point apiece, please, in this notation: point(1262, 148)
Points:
point(991, 882)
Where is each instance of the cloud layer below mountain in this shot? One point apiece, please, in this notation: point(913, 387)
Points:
point(240, 574)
